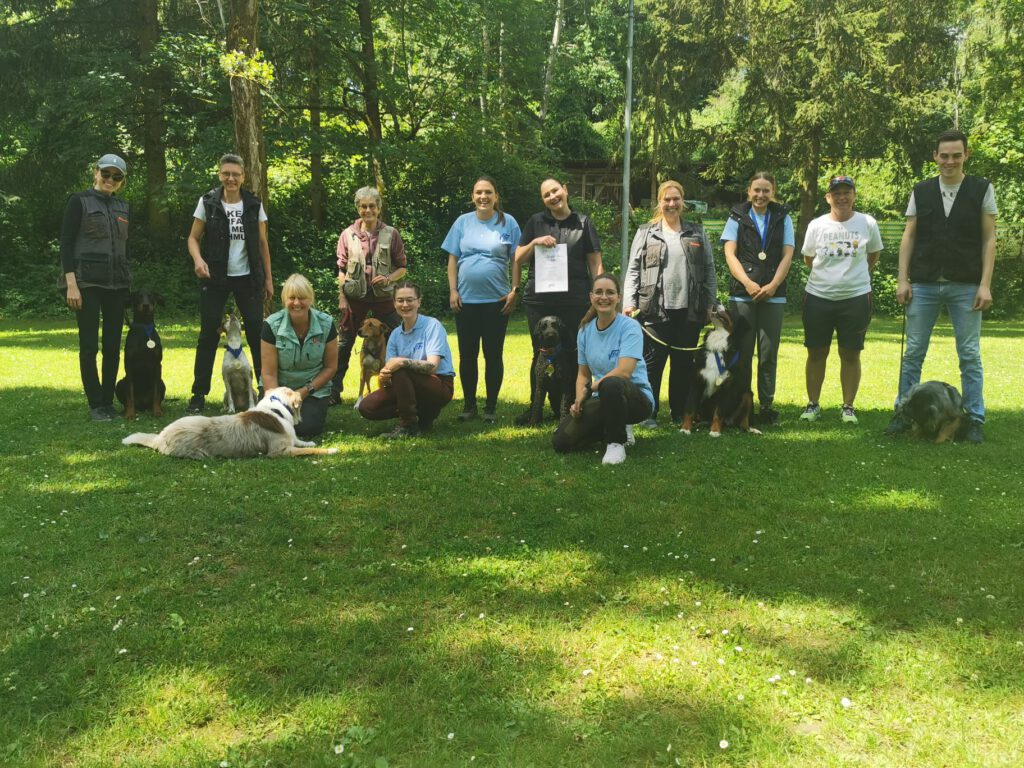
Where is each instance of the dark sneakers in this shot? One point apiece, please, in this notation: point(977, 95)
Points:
point(897, 425)
point(196, 405)
point(102, 413)
point(469, 413)
point(974, 434)
point(768, 416)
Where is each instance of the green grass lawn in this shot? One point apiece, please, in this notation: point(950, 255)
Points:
point(818, 596)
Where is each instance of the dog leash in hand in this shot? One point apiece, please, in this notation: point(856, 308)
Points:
point(653, 337)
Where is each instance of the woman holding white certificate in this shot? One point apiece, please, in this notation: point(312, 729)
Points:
point(565, 256)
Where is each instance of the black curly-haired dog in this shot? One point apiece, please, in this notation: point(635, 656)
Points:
point(548, 372)
point(142, 388)
point(934, 410)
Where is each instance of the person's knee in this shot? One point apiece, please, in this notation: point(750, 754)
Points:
point(611, 386)
point(849, 356)
point(817, 354)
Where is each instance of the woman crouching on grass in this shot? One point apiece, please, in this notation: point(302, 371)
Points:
point(612, 390)
point(417, 379)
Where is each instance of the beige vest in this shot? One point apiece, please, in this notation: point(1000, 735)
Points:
point(356, 286)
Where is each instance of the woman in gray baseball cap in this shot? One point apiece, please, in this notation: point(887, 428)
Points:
point(95, 278)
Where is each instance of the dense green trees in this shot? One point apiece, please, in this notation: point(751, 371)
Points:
point(419, 97)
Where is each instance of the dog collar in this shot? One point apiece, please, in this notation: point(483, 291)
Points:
point(551, 358)
point(723, 368)
point(147, 328)
point(236, 353)
point(276, 399)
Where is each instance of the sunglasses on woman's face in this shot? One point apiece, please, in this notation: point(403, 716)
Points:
point(115, 175)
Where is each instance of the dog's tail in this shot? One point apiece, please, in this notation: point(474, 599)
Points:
point(142, 438)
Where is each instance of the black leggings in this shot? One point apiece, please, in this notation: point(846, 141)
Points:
point(619, 402)
point(476, 323)
point(110, 303)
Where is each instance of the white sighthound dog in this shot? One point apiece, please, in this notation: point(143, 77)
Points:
point(239, 394)
point(266, 430)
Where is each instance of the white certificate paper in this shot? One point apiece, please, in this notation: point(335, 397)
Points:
point(552, 266)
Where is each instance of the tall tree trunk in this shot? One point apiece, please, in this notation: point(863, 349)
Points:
point(246, 104)
point(486, 57)
point(371, 91)
point(316, 153)
point(549, 66)
point(811, 163)
point(655, 136)
point(153, 149)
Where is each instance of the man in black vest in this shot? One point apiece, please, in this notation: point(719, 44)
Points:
point(228, 245)
point(947, 256)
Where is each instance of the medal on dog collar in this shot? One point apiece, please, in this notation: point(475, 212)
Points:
point(151, 344)
point(762, 256)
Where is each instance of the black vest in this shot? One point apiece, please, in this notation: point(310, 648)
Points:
point(217, 235)
point(748, 245)
point(101, 247)
point(948, 247)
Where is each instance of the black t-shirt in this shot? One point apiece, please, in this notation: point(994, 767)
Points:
point(577, 232)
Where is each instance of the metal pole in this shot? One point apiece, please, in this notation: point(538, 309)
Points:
point(626, 142)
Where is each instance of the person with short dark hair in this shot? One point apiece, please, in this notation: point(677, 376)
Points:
point(947, 256)
point(231, 254)
point(417, 379)
point(559, 224)
point(95, 278)
point(759, 240)
point(841, 248)
point(370, 259)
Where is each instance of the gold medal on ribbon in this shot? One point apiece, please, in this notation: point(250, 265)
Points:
point(762, 256)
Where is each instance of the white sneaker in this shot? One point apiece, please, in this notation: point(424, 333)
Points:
point(630, 440)
point(615, 453)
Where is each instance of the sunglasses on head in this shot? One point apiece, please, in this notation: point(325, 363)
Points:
point(115, 175)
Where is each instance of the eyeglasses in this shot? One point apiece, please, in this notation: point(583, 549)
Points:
point(112, 175)
point(406, 300)
point(230, 175)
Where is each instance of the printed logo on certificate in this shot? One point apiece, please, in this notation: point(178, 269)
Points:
point(552, 265)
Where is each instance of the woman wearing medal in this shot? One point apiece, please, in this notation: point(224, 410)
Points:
point(759, 243)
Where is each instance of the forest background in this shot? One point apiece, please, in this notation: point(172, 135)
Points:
point(420, 97)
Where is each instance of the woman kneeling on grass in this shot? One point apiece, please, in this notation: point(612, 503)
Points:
point(612, 390)
point(418, 379)
point(299, 351)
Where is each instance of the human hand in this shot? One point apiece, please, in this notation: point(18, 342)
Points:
point(510, 303)
point(455, 301)
point(982, 299)
point(74, 297)
point(547, 241)
point(268, 288)
point(380, 280)
point(202, 269)
point(904, 293)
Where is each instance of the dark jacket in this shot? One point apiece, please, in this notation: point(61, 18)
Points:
point(643, 288)
point(217, 235)
point(749, 244)
point(98, 252)
point(948, 247)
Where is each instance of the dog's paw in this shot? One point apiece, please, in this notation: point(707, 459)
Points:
point(755, 431)
point(355, 405)
point(332, 451)
point(685, 431)
point(715, 434)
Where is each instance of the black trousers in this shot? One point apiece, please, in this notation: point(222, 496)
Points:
point(484, 324)
point(619, 402)
point(313, 415)
point(677, 331)
point(213, 297)
point(571, 317)
point(110, 303)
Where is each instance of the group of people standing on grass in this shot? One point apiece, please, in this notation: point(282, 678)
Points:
point(618, 338)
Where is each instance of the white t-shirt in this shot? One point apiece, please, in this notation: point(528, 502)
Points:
point(238, 261)
point(840, 250)
point(948, 191)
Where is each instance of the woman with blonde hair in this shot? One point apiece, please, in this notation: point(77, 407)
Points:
point(299, 348)
point(670, 288)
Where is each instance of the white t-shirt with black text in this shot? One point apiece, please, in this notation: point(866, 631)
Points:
point(238, 261)
point(840, 250)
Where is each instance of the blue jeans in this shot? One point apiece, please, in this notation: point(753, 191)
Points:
point(922, 312)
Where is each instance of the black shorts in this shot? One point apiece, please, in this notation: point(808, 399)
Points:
point(847, 318)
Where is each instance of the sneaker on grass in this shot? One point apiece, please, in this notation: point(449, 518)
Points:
point(615, 453)
point(811, 413)
point(849, 414)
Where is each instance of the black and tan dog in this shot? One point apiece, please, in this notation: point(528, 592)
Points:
point(548, 374)
point(142, 388)
point(934, 410)
point(720, 391)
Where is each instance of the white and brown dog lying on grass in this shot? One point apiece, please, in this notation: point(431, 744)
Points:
point(266, 430)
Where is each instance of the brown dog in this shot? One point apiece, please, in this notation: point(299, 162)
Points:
point(371, 356)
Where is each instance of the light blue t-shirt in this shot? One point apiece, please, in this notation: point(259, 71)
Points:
point(600, 350)
point(731, 232)
point(428, 337)
point(484, 250)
